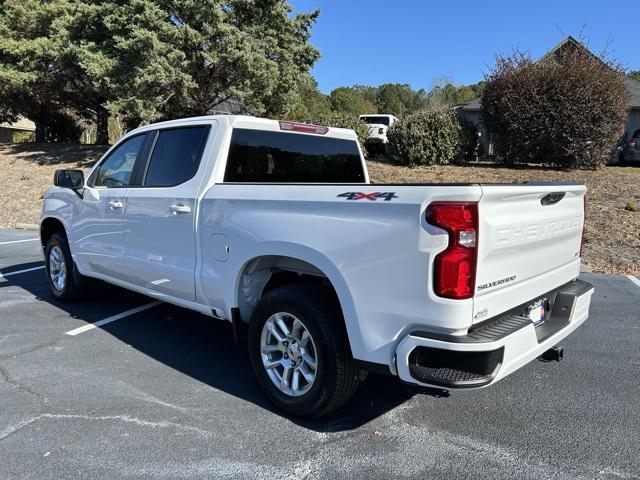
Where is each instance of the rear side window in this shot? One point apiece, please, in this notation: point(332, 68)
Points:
point(176, 156)
point(637, 134)
point(259, 156)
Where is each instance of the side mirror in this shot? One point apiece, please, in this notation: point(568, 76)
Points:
point(73, 179)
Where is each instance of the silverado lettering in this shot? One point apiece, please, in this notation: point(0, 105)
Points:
point(495, 283)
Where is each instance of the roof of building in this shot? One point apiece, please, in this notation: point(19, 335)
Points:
point(633, 87)
point(472, 106)
point(21, 124)
point(567, 42)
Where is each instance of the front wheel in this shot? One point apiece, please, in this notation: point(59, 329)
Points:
point(299, 351)
point(65, 283)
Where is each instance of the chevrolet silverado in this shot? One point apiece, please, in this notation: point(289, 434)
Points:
point(275, 227)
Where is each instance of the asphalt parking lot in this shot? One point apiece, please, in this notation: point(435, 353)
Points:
point(165, 393)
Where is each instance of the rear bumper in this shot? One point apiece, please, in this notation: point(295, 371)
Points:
point(493, 349)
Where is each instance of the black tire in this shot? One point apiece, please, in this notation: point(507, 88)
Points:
point(337, 375)
point(74, 283)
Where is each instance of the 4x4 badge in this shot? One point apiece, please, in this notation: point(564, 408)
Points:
point(387, 196)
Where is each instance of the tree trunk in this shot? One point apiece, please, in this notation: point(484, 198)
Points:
point(102, 126)
point(41, 127)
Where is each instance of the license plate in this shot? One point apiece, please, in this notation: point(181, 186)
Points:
point(537, 311)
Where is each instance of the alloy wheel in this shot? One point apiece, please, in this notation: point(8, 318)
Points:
point(57, 268)
point(288, 354)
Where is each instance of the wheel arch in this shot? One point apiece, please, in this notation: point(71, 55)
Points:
point(49, 226)
point(261, 273)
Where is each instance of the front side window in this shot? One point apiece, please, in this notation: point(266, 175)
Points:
point(261, 156)
point(176, 156)
point(115, 170)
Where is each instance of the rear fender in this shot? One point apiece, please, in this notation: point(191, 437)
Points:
point(325, 267)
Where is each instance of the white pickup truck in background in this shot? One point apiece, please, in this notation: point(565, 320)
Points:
point(378, 126)
point(275, 227)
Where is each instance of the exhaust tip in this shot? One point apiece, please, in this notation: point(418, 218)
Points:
point(553, 354)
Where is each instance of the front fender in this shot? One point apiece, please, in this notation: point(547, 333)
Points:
point(57, 206)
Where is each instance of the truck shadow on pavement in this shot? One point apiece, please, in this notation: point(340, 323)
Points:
point(203, 348)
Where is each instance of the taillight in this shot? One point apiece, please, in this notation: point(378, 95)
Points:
point(303, 127)
point(455, 267)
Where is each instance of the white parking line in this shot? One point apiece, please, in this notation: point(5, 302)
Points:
point(20, 241)
point(634, 280)
point(4, 275)
point(91, 326)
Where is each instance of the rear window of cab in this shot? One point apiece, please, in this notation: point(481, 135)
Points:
point(376, 120)
point(262, 156)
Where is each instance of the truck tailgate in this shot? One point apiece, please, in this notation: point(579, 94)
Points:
point(529, 243)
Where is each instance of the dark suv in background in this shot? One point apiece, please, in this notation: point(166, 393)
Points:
point(631, 149)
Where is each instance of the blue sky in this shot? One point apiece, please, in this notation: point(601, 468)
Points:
point(417, 42)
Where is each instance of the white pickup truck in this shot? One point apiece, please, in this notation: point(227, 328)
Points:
point(275, 227)
point(378, 126)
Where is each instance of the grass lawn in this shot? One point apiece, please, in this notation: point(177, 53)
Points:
point(613, 232)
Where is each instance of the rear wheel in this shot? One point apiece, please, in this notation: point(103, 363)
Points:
point(299, 351)
point(64, 281)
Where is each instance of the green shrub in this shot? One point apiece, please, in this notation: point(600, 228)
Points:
point(632, 206)
point(345, 120)
point(22, 136)
point(430, 137)
point(468, 141)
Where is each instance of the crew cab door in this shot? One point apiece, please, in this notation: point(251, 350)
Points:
point(161, 213)
point(98, 226)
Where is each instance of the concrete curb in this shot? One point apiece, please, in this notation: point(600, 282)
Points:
point(26, 226)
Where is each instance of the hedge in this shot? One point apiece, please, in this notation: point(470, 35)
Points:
point(430, 137)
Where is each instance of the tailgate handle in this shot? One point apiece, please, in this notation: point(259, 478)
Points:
point(552, 198)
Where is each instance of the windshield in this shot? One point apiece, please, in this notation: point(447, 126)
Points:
point(376, 120)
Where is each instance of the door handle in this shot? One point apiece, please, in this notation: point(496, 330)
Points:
point(115, 204)
point(179, 209)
